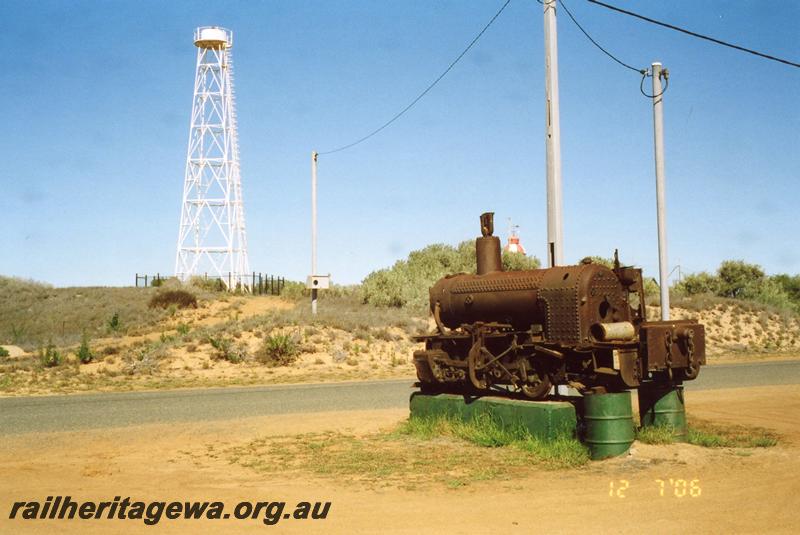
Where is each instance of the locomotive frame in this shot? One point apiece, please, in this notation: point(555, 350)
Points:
point(524, 331)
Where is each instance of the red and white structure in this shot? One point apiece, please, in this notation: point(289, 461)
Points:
point(211, 236)
point(513, 245)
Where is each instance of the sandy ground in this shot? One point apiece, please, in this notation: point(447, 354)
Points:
point(166, 357)
point(752, 492)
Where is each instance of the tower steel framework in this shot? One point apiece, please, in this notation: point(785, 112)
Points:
point(211, 237)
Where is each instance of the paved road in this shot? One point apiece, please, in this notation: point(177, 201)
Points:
point(92, 411)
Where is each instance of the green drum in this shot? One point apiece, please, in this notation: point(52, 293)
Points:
point(663, 406)
point(609, 424)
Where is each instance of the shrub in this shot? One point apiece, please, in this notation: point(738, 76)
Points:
point(179, 298)
point(607, 262)
point(278, 350)
point(652, 290)
point(736, 275)
point(407, 282)
point(519, 262)
point(4, 352)
point(49, 356)
point(768, 292)
point(144, 360)
point(791, 285)
point(113, 323)
point(699, 283)
point(209, 285)
point(84, 354)
point(227, 349)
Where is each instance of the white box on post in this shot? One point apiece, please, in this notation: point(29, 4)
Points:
point(318, 282)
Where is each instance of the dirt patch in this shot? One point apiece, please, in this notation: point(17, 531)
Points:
point(750, 491)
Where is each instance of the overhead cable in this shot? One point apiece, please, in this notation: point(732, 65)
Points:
point(695, 34)
point(427, 89)
point(595, 43)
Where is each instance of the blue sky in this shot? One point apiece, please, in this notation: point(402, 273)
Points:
point(97, 95)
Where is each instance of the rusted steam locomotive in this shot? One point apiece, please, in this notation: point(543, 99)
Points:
point(524, 331)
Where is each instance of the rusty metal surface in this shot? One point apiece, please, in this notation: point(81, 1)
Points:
point(526, 330)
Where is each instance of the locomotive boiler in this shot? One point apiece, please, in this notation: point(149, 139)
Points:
point(525, 331)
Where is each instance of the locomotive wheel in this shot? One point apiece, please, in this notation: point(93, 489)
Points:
point(537, 389)
point(473, 362)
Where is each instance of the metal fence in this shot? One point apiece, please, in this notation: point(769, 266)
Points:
point(255, 283)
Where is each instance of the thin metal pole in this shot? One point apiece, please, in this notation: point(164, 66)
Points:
point(313, 227)
point(555, 246)
point(661, 202)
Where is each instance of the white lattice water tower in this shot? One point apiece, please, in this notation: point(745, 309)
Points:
point(211, 237)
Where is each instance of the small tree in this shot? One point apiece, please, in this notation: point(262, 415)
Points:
point(737, 275)
point(49, 356)
point(84, 354)
point(699, 283)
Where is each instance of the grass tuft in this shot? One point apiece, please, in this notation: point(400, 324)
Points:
point(417, 452)
point(278, 350)
point(661, 434)
point(712, 435)
point(563, 452)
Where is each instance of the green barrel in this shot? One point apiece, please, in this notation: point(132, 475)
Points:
point(664, 406)
point(609, 424)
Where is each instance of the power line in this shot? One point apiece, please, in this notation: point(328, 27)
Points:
point(694, 34)
point(427, 89)
point(595, 43)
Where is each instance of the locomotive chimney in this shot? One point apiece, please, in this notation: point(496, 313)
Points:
point(487, 247)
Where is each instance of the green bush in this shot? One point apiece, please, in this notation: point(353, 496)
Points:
point(698, 283)
point(49, 356)
point(735, 276)
point(736, 279)
point(607, 262)
point(113, 322)
point(406, 283)
point(791, 285)
point(179, 298)
point(768, 292)
point(84, 354)
point(278, 350)
point(4, 352)
point(519, 262)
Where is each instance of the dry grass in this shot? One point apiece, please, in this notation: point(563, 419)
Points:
point(34, 313)
point(712, 435)
point(416, 453)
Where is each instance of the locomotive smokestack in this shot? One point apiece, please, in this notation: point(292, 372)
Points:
point(487, 247)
